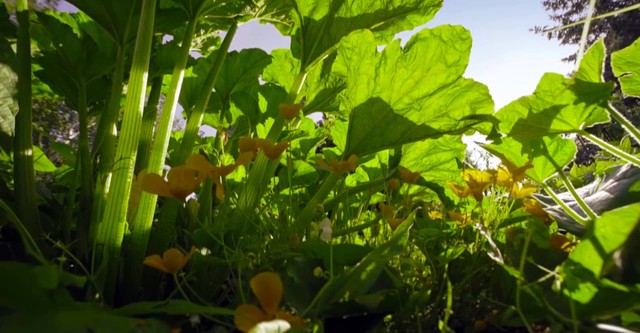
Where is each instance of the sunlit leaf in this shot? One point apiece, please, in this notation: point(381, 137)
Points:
point(626, 66)
point(403, 95)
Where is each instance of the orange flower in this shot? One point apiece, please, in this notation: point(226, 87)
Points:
point(181, 181)
point(408, 176)
point(477, 181)
point(248, 144)
point(534, 208)
point(272, 150)
point(268, 288)
point(389, 213)
point(290, 111)
point(394, 183)
point(561, 242)
point(172, 260)
point(339, 167)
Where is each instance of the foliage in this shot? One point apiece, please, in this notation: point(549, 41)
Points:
point(371, 220)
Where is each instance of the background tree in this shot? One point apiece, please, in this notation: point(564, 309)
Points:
point(618, 31)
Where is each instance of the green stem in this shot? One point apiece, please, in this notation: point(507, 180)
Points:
point(24, 172)
point(105, 143)
point(564, 206)
point(626, 124)
point(258, 176)
point(567, 183)
point(148, 124)
point(197, 114)
point(141, 229)
point(86, 171)
point(519, 282)
point(306, 215)
point(31, 246)
point(613, 150)
point(112, 226)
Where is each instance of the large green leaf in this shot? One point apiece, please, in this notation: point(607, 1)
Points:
point(589, 261)
point(235, 90)
point(113, 16)
point(74, 56)
point(357, 281)
point(320, 25)
point(626, 66)
point(559, 104)
point(406, 95)
point(435, 159)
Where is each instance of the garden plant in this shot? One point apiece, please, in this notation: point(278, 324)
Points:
point(371, 219)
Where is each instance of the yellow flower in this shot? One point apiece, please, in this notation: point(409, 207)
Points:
point(519, 191)
point(510, 174)
point(339, 167)
point(200, 163)
point(477, 181)
point(172, 260)
point(290, 111)
point(533, 207)
point(461, 191)
point(408, 176)
point(181, 181)
point(463, 219)
point(268, 288)
point(434, 215)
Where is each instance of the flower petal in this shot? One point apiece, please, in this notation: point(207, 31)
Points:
point(173, 260)
point(156, 262)
point(294, 320)
point(408, 176)
point(290, 111)
point(183, 181)
point(248, 144)
point(154, 183)
point(200, 163)
point(245, 158)
point(247, 316)
point(267, 287)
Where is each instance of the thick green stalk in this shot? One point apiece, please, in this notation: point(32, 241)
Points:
point(591, 215)
point(86, 171)
point(197, 114)
point(164, 231)
point(574, 215)
point(148, 124)
point(258, 176)
point(105, 143)
point(112, 226)
point(24, 173)
point(613, 150)
point(626, 124)
point(141, 228)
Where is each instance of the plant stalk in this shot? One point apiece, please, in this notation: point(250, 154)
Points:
point(613, 150)
point(24, 172)
point(141, 229)
point(112, 226)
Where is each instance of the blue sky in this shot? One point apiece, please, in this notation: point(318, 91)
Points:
point(506, 56)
